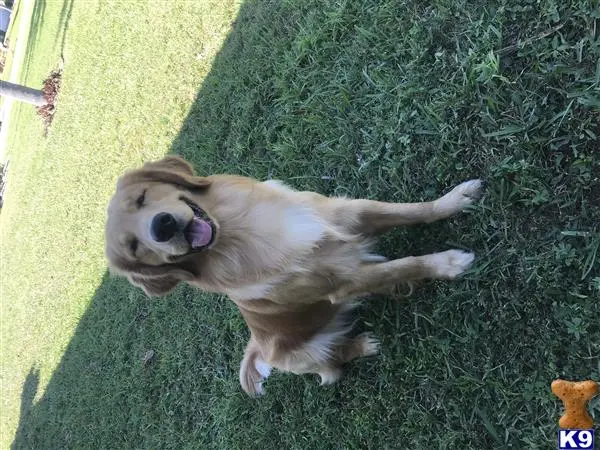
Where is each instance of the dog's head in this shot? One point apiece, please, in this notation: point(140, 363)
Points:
point(155, 223)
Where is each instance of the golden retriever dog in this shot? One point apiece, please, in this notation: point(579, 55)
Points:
point(294, 263)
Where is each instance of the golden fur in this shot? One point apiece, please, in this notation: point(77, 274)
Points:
point(293, 262)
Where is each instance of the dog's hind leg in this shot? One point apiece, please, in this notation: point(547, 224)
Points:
point(365, 344)
point(330, 374)
point(253, 369)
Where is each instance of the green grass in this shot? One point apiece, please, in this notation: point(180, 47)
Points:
point(377, 99)
point(15, 24)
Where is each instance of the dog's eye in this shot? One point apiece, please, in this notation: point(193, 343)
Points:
point(140, 200)
point(133, 245)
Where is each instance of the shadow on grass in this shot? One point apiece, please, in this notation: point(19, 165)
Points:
point(277, 103)
point(103, 395)
point(30, 387)
point(63, 24)
point(36, 23)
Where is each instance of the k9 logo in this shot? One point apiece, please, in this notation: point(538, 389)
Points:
point(575, 439)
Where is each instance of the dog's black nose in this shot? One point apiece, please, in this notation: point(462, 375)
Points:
point(163, 227)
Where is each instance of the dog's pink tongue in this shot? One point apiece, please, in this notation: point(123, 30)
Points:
point(198, 233)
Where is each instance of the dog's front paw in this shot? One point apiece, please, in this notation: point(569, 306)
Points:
point(460, 197)
point(451, 263)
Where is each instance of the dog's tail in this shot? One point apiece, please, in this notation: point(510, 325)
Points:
point(253, 370)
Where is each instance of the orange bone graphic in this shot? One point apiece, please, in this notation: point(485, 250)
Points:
point(575, 396)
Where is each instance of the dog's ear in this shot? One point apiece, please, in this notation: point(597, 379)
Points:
point(171, 163)
point(154, 280)
point(154, 287)
point(171, 169)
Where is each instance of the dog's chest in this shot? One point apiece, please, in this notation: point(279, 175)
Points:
point(262, 241)
point(278, 239)
point(312, 260)
point(280, 234)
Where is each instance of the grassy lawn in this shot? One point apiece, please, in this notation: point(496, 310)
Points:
point(379, 99)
